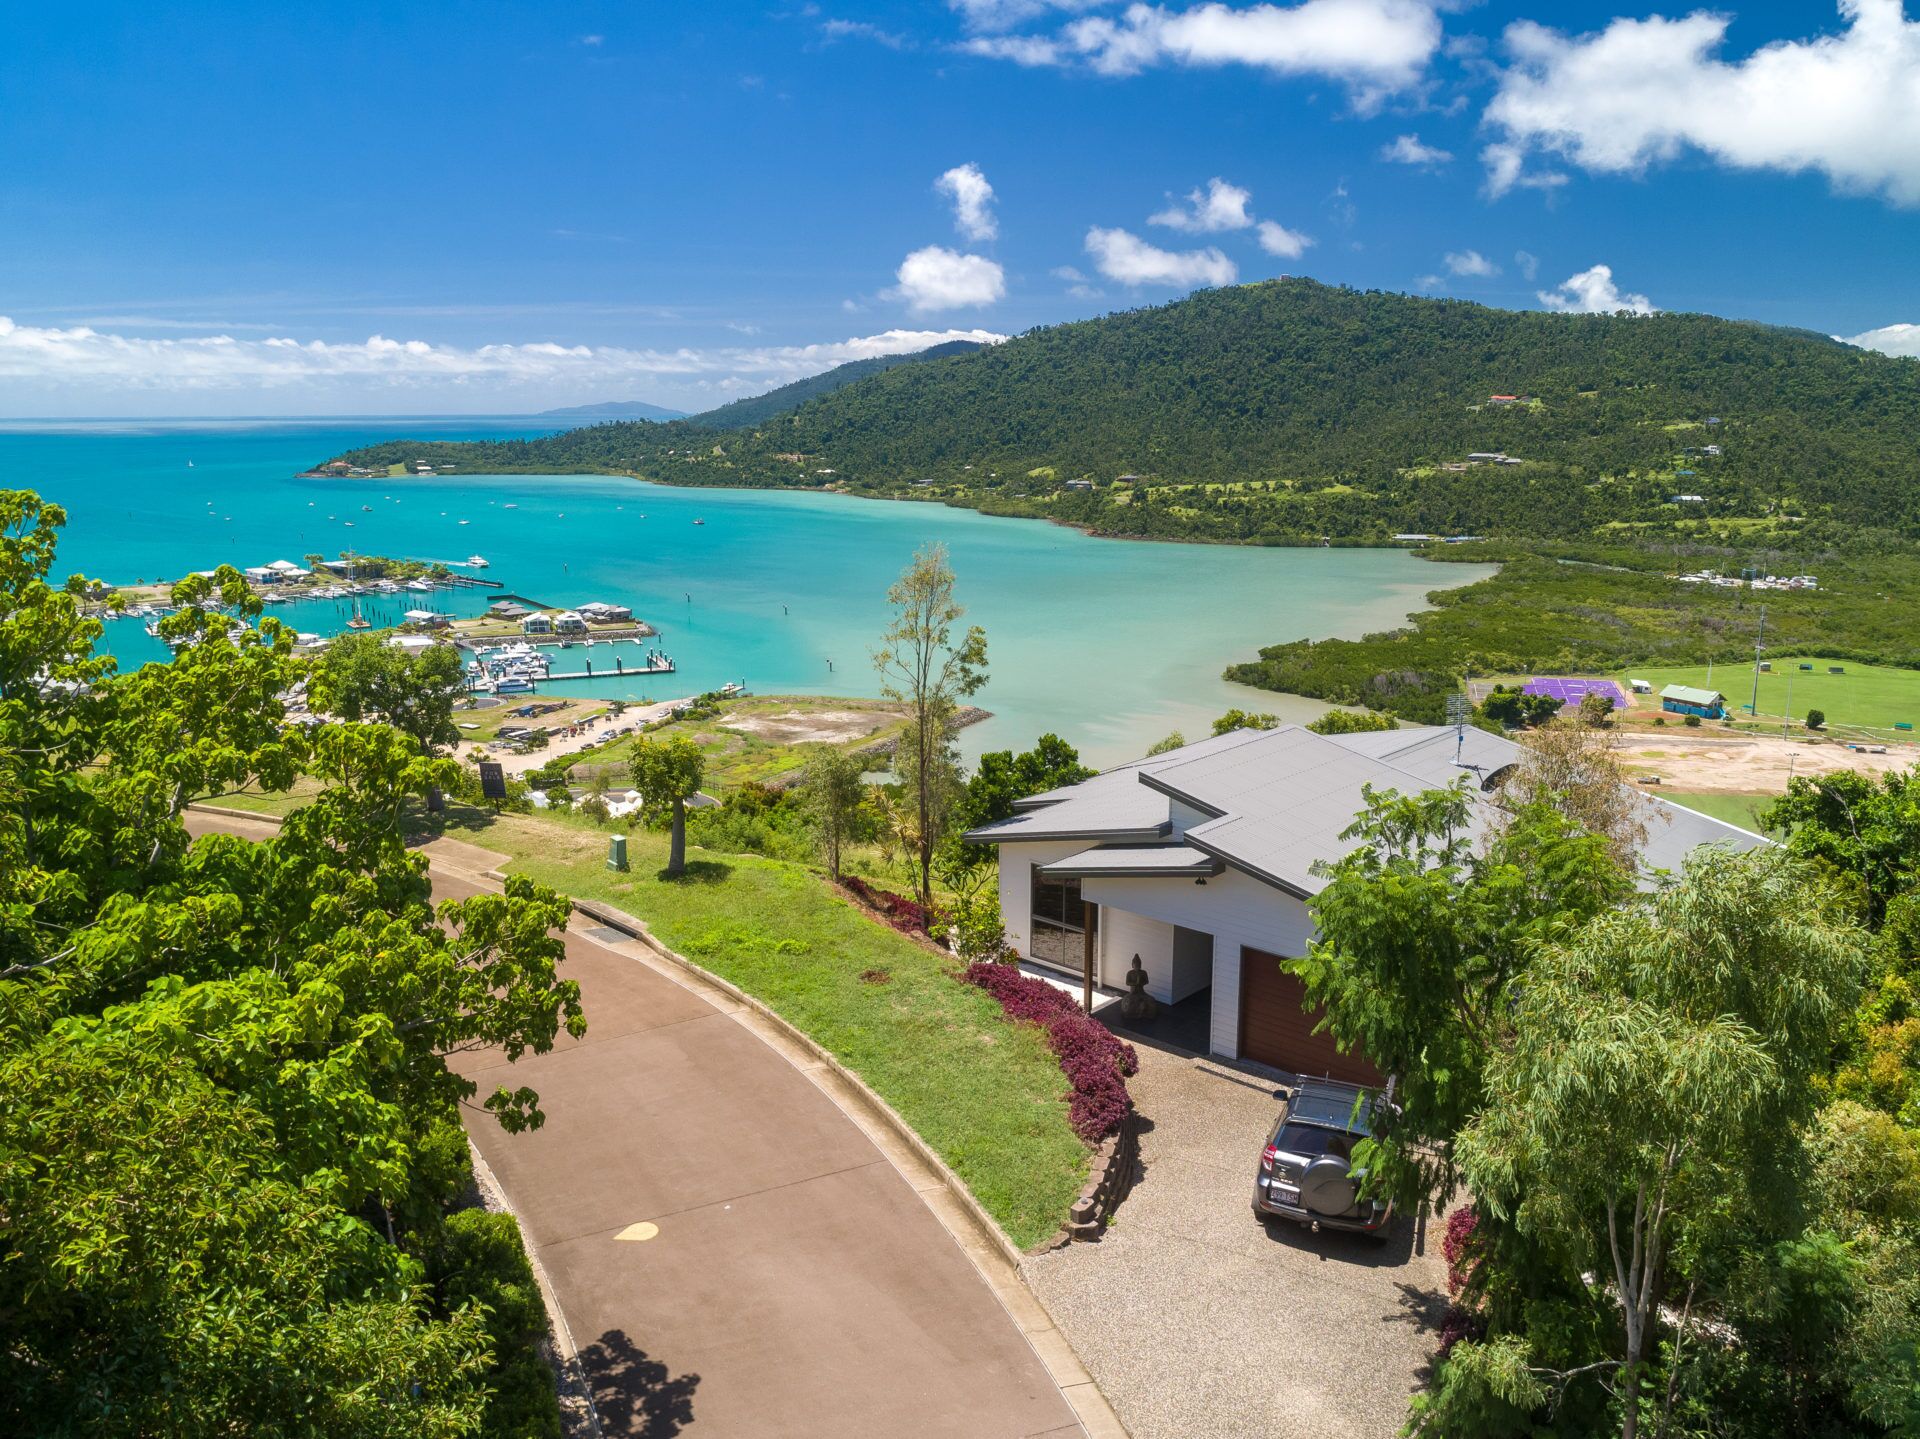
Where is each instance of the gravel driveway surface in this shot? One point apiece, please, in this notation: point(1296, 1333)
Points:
point(1199, 1322)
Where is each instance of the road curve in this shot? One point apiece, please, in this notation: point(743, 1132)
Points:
point(732, 1253)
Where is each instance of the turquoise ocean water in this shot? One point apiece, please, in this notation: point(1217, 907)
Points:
point(1108, 643)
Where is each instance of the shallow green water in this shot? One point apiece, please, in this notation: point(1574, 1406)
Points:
point(1109, 643)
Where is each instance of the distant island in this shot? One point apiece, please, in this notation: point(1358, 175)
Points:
point(613, 410)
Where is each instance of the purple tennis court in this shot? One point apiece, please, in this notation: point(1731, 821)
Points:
point(1571, 691)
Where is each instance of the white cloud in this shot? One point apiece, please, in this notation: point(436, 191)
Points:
point(1470, 263)
point(1507, 170)
point(1889, 340)
point(1218, 207)
point(78, 359)
point(936, 278)
point(972, 200)
point(1412, 150)
point(1277, 239)
point(1129, 260)
point(593, 40)
point(1032, 51)
point(1529, 264)
point(1375, 47)
point(1845, 105)
point(863, 30)
point(1592, 292)
point(1005, 14)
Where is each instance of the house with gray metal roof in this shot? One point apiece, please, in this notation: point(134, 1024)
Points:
point(1201, 863)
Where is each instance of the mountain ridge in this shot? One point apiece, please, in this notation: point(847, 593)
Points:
point(1288, 410)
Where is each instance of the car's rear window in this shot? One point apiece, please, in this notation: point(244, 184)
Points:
point(1313, 1141)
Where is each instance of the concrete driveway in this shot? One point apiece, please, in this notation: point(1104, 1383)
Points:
point(1196, 1319)
point(731, 1252)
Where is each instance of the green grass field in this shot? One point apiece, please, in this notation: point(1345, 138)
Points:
point(1741, 809)
point(1867, 696)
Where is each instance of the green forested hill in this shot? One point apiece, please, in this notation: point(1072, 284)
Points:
point(758, 409)
point(1289, 410)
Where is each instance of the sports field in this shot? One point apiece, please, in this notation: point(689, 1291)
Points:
point(1865, 696)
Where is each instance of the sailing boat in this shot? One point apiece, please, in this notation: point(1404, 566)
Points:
point(359, 621)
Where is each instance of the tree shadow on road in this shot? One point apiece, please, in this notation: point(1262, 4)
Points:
point(632, 1391)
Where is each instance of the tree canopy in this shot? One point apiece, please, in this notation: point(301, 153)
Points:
point(232, 1134)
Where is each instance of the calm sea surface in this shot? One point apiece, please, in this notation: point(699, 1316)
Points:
point(1109, 643)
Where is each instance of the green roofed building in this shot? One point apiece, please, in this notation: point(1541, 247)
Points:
point(1686, 700)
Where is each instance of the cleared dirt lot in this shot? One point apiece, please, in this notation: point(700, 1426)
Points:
point(1749, 764)
point(1196, 1319)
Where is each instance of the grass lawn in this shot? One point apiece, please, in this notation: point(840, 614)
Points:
point(1741, 809)
point(1866, 696)
point(987, 1095)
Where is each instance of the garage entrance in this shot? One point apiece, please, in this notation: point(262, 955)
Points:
point(1276, 1030)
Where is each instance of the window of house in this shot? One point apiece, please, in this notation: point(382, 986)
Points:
point(1058, 932)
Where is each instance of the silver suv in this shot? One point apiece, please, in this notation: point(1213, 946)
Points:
point(1306, 1172)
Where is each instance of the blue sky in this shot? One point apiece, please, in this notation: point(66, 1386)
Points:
point(486, 207)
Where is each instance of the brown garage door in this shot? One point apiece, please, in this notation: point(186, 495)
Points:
point(1275, 1030)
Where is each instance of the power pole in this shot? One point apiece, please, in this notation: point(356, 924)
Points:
point(1759, 644)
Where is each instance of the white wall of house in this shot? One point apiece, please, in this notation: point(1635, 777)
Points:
point(1234, 909)
point(1185, 816)
point(1123, 934)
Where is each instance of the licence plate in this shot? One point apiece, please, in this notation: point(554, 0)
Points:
point(1284, 1194)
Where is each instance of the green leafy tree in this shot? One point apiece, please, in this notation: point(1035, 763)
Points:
point(1866, 827)
point(1660, 1062)
point(1816, 719)
point(668, 773)
point(1422, 939)
point(833, 792)
point(232, 1121)
point(1339, 721)
point(1516, 709)
point(922, 662)
point(362, 677)
point(1172, 742)
point(1002, 778)
point(1241, 719)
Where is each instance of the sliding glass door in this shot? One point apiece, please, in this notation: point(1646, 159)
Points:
point(1057, 935)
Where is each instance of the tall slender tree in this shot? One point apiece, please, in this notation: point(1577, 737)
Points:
point(925, 665)
point(832, 792)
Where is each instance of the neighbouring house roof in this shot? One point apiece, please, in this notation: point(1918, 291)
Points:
point(1688, 695)
point(1275, 804)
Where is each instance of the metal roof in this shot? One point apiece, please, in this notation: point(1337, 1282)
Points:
point(1139, 860)
point(1281, 799)
point(1111, 805)
point(1687, 694)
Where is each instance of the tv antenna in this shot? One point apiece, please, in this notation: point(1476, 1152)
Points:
point(1457, 717)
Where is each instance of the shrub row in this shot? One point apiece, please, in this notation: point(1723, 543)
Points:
point(906, 915)
point(1096, 1063)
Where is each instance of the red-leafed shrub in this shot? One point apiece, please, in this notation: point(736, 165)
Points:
point(1095, 1062)
point(1457, 1248)
point(1457, 1324)
point(906, 915)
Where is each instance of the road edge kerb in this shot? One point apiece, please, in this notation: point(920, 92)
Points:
point(1075, 1382)
point(581, 1416)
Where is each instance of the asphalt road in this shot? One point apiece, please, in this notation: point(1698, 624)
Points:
point(732, 1254)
